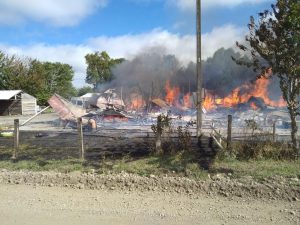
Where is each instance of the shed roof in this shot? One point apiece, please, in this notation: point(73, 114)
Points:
point(8, 94)
point(87, 95)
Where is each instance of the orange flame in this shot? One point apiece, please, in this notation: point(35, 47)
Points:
point(186, 101)
point(115, 119)
point(209, 102)
point(172, 94)
point(233, 99)
point(174, 97)
point(137, 102)
point(261, 90)
point(253, 106)
point(243, 93)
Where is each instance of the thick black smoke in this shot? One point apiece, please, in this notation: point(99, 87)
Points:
point(222, 74)
point(147, 74)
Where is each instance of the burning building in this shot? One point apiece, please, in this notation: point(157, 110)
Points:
point(254, 95)
point(107, 99)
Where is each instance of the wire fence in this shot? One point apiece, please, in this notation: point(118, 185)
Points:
point(104, 141)
point(95, 144)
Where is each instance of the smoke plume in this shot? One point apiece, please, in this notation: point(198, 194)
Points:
point(148, 72)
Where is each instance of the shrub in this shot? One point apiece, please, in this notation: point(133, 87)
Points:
point(174, 139)
point(245, 150)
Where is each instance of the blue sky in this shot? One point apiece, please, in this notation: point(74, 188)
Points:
point(66, 30)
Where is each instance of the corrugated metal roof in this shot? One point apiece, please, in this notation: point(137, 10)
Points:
point(8, 94)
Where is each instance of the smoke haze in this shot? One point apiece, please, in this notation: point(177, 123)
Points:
point(148, 72)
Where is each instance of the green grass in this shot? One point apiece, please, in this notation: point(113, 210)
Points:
point(259, 169)
point(41, 159)
point(180, 164)
point(44, 165)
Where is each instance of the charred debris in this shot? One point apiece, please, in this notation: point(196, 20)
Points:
point(108, 109)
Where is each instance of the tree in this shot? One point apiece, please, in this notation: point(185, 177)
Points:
point(40, 79)
point(99, 69)
point(51, 78)
point(274, 46)
point(3, 74)
point(83, 90)
point(13, 70)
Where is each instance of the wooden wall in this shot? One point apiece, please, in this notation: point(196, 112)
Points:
point(28, 104)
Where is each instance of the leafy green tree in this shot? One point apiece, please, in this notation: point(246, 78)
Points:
point(12, 72)
point(51, 78)
point(83, 90)
point(99, 68)
point(40, 79)
point(274, 45)
point(3, 76)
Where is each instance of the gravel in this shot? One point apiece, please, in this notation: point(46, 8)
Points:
point(278, 187)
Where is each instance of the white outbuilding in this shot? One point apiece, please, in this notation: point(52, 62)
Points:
point(17, 102)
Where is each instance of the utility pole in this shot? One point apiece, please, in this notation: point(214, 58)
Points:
point(199, 70)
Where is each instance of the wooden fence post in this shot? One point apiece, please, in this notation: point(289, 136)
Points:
point(158, 148)
point(274, 131)
point(16, 138)
point(229, 129)
point(80, 138)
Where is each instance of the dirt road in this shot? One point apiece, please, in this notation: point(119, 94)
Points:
point(29, 205)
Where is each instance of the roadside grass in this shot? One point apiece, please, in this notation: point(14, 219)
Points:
point(258, 169)
point(41, 159)
point(180, 164)
point(64, 166)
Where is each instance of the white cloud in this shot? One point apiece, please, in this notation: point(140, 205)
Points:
point(54, 12)
point(224, 36)
point(187, 5)
point(183, 46)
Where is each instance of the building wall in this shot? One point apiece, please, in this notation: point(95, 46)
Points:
point(28, 104)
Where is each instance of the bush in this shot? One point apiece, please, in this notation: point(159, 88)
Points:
point(246, 150)
point(257, 145)
point(173, 139)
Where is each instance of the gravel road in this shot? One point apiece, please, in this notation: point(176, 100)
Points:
point(35, 205)
point(47, 205)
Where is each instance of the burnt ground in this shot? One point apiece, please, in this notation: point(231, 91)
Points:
point(48, 140)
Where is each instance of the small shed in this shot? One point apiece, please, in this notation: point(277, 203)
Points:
point(17, 102)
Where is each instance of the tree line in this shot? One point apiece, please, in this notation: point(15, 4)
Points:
point(40, 79)
point(43, 79)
